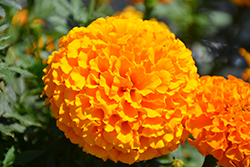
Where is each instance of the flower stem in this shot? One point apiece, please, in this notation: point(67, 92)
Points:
point(91, 9)
point(210, 161)
point(149, 6)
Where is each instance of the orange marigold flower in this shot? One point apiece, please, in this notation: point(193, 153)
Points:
point(246, 55)
point(120, 88)
point(241, 2)
point(220, 120)
point(20, 17)
point(44, 43)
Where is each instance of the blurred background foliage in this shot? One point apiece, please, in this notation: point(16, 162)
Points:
point(29, 31)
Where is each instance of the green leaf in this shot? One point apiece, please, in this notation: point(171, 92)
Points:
point(9, 157)
point(2, 12)
point(26, 120)
point(4, 45)
point(4, 27)
point(11, 3)
point(5, 131)
point(3, 103)
point(16, 127)
point(43, 8)
point(4, 36)
point(66, 5)
point(6, 74)
point(59, 8)
point(27, 156)
point(21, 71)
point(77, 6)
point(220, 19)
point(189, 155)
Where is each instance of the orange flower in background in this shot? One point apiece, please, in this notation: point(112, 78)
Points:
point(39, 21)
point(220, 120)
point(130, 12)
point(44, 43)
point(165, 0)
point(246, 55)
point(120, 88)
point(20, 17)
point(241, 2)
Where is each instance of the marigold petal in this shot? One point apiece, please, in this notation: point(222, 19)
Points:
point(222, 126)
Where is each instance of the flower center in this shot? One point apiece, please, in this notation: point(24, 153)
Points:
point(244, 106)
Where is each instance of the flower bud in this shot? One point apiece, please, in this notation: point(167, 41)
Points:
point(150, 4)
point(177, 163)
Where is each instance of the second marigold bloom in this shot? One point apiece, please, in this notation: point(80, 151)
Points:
point(120, 88)
point(220, 121)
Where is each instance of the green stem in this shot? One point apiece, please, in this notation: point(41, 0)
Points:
point(149, 6)
point(210, 161)
point(91, 9)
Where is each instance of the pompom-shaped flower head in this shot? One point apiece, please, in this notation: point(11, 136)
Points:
point(220, 121)
point(120, 88)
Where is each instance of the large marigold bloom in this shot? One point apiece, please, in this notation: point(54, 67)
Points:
point(220, 120)
point(120, 88)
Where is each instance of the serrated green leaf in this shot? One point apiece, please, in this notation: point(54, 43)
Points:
point(59, 8)
point(6, 131)
point(3, 103)
point(21, 71)
point(77, 6)
point(18, 85)
point(16, 127)
point(5, 42)
point(4, 45)
point(26, 120)
point(9, 157)
point(2, 12)
point(43, 8)
point(3, 21)
point(4, 37)
point(4, 27)
point(27, 156)
point(66, 5)
point(10, 92)
point(11, 3)
point(6, 74)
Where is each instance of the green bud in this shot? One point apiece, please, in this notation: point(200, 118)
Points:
point(177, 163)
point(36, 27)
point(150, 4)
